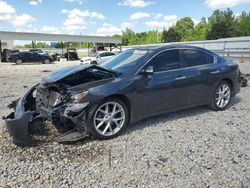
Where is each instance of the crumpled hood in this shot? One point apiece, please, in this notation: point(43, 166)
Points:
point(64, 72)
point(67, 71)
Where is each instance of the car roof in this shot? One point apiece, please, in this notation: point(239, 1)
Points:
point(165, 46)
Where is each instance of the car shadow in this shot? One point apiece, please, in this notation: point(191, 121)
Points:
point(148, 122)
point(172, 116)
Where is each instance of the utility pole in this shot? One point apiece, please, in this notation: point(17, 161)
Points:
point(80, 42)
point(33, 45)
point(156, 35)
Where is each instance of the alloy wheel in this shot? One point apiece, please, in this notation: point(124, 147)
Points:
point(109, 119)
point(223, 95)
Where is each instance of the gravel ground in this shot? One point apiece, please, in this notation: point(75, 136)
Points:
point(191, 148)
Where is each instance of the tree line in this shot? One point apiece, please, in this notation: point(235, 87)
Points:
point(221, 24)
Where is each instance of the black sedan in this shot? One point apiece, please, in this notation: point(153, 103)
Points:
point(99, 101)
point(30, 56)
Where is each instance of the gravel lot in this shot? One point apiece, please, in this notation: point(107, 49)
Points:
point(191, 148)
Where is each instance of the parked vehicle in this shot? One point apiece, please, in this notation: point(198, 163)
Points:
point(6, 53)
point(27, 56)
point(98, 57)
point(100, 100)
point(71, 55)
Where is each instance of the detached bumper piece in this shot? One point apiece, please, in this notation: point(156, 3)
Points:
point(72, 136)
point(17, 122)
point(18, 128)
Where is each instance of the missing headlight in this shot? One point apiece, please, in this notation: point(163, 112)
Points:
point(55, 98)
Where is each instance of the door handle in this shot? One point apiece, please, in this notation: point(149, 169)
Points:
point(215, 72)
point(180, 78)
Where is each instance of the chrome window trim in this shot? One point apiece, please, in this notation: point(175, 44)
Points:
point(182, 68)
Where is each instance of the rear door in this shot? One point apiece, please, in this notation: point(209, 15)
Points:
point(202, 75)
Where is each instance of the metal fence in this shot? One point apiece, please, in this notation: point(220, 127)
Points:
point(235, 48)
point(238, 47)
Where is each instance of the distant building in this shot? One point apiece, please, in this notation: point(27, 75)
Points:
point(9, 44)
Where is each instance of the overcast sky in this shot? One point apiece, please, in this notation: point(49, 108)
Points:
point(105, 17)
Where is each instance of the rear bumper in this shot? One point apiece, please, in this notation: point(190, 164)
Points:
point(244, 80)
point(237, 84)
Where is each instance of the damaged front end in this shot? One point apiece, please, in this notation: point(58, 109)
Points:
point(64, 109)
point(62, 99)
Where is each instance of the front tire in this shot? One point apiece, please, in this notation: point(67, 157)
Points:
point(222, 96)
point(109, 119)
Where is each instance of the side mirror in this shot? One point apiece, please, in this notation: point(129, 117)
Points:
point(148, 70)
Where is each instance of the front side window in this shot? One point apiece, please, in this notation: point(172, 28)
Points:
point(195, 57)
point(167, 60)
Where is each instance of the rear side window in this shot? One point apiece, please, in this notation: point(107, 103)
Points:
point(196, 57)
point(167, 60)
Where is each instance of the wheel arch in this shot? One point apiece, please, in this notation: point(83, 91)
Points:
point(126, 101)
point(230, 82)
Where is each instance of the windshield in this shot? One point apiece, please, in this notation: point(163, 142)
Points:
point(124, 61)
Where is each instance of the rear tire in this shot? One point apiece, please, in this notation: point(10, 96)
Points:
point(19, 61)
point(108, 119)
point(221, 96)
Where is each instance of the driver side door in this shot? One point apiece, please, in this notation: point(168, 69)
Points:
point(166, 88)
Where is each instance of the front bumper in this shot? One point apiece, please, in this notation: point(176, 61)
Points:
point(17, 122)
point(18, 128)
